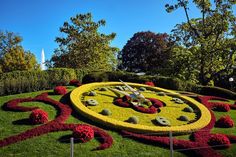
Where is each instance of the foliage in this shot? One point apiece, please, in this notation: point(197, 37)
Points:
point(83, 46)
point(159, 81)
point(60, 90)
point(28, 81)
point(13, 56)
point(206, 45)
point(145, 52)
point(61, 76)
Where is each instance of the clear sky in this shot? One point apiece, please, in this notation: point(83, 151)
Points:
point(38, 21)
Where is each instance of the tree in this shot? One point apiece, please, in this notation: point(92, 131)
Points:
point(13, 56)
point(83, 46)
point(145, 52)
point(212, 37)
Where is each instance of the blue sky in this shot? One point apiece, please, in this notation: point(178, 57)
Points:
point(38, 21)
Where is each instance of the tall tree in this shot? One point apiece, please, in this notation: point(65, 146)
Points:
point(83, 46)
point(211, 36)
point(13, 56)
point(146, 52)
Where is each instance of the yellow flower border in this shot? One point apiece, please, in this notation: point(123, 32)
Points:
point(116, 124)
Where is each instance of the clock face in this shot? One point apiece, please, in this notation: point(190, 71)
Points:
point(145, 109)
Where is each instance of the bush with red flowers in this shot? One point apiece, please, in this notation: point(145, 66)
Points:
point(83, 133)
point(219, 140)
point(38, 116)
point(150, 84)
point(220, 107)
point(60, 90)
point(75, 82)
point(225, 122)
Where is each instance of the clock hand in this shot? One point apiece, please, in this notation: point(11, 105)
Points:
point(119, 92)
point(136, 93)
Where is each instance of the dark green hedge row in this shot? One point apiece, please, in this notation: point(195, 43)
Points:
point(159, 81)
point(29, 81)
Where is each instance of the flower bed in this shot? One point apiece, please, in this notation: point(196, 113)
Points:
point(58, 124)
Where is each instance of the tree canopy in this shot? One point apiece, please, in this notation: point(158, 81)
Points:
point(82, 46)
point(145, 52)
point(209, 40)
point(12, 54)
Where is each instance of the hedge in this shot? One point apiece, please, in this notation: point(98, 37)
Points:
point(29, 81)
point(159, 81)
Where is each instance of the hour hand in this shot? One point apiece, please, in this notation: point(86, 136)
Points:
point(119, 92)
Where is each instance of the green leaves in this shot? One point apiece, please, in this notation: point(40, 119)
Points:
point(13, 56)
point(209, 38)
point(83, 46)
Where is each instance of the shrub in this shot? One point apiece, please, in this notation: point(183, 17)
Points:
point(150, 84)
point(183, 118)
point(75, 82)
point(60, 76)
point(219, 140)
point(92, 93)
point(38, 116)
point(133, 119)
point(225, 122)
point(106, 112)
point(60, 90)
point(161, 93)
point(220, 107)
point(83, 133)
point(188, 109)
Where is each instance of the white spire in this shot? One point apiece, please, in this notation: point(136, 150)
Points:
point(42, 65)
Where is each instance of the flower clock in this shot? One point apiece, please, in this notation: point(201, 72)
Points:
point(136, 111)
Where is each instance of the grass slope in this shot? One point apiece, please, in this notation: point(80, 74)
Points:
point(56, 144)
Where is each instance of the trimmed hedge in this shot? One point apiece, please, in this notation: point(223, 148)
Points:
point(159, 81)
point(28, 81)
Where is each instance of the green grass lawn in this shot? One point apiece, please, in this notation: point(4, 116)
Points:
point(53, 144)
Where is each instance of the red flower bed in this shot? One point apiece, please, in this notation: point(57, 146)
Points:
point(55, 125)
point(75, 82)
point(150, 84)
point(83, 133)
point(38, 116)
point(225, 122)
point(60, 90)
point(219, 140)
